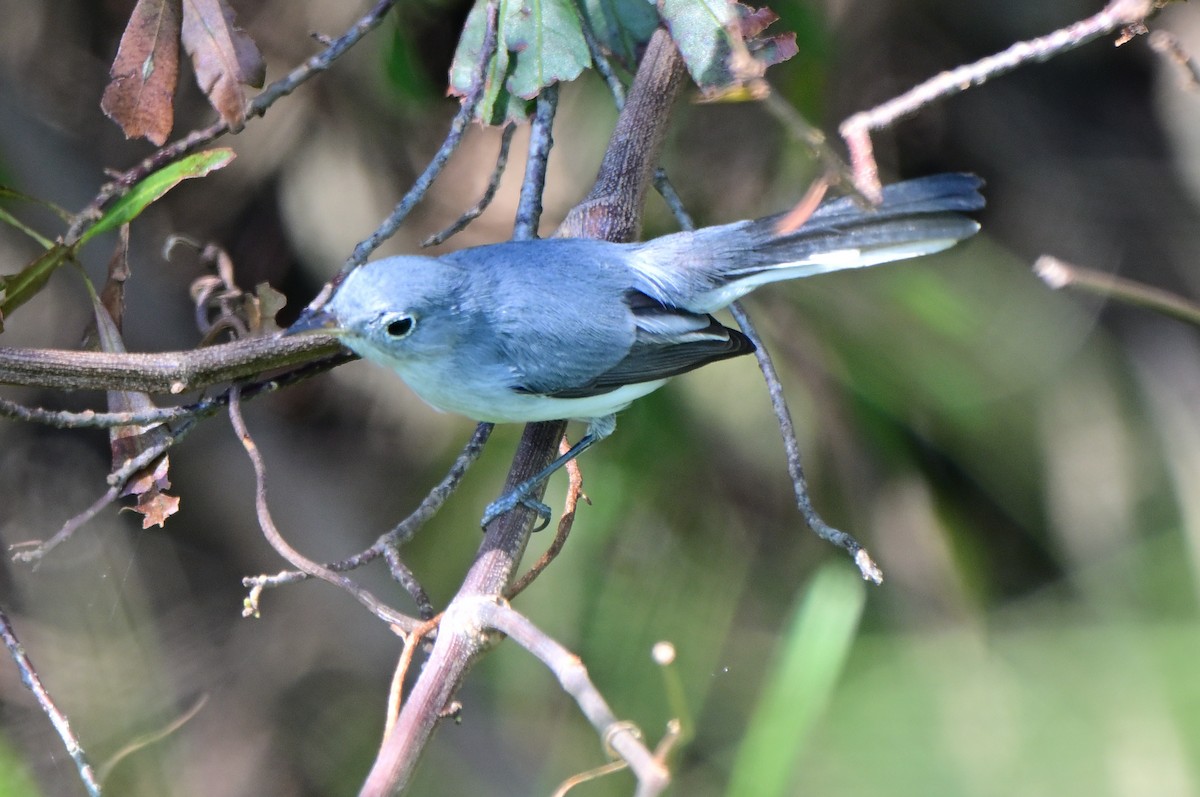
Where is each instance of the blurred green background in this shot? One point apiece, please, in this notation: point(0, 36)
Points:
point(1024, 465)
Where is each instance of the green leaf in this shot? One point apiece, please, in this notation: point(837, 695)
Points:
point(802, 681)
point(622, 27)
point(16, 289)
point(149, 190)
point(539, 43)
point(702, 30)
point(546, 38)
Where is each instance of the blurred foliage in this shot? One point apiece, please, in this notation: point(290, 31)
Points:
point(1022, 464)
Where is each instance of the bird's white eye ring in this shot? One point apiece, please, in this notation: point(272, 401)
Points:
point(400, 325)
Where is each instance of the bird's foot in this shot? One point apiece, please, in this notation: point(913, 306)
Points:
point(517, 497)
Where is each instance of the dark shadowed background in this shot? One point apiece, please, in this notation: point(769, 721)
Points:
point(1023, 464)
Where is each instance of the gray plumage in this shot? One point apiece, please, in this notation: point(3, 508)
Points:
point(571, 328)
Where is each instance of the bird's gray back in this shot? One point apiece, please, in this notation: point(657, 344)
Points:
point(554, 309)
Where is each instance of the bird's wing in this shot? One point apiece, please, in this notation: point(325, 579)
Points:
point(667, 342)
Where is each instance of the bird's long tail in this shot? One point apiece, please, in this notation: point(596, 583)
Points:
point(707, 269)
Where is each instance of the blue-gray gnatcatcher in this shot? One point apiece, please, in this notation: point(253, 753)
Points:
point(571, 328)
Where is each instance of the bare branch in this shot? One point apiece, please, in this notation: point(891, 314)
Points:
point(30, 678)
point(256, 107)
point(166, 372)
point(284, 549)
point(529, 211)
point(783, 416)
point(457, 127)
point(489, 193)
point(856, 129)
point(1059, 274)
point(870, 571)
point(389, 543)
point(623, 738)
point(1184, 62)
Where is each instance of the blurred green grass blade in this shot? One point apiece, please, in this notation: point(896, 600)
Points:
point(799, 688)
point(128, 207)
point(15, 778)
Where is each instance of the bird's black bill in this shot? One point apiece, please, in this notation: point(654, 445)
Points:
point(312, 321)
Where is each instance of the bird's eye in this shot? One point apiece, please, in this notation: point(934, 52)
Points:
point(400, 326)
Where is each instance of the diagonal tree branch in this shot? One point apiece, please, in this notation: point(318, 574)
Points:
point(610, 211)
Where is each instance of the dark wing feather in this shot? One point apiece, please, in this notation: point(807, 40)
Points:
point(669, 342)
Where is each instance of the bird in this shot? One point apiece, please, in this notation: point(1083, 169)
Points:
point(572, 328)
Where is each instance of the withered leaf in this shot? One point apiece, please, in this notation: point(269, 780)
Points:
point(127, 442)
point(156, 507)
point(224, 57)
point(145, 71)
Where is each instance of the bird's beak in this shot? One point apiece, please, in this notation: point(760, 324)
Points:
point(314, 320)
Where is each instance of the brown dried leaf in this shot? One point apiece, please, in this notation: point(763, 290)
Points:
point(145, 72)
point(753, 21)
point(112, 296)
point(128, 442)
point(225, 58)
point(155, 507)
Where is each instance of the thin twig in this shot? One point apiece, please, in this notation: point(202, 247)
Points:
point(565, 522)
point(405, 577)
point(145, 740)
point(1059, 274)
point(388, 544)
point(600, 61)
point(870, 571)
point(835, 171)
point(489, 193)
point(783, 417)
point(541, 139)
point(622, 737)
point(1167, 44)
point(457, 127)
point(856, 129)
point(284, 549)
point(117, 481)
point(434, 499)
point(256, 107)
point(412, 641)
point(30, 678)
